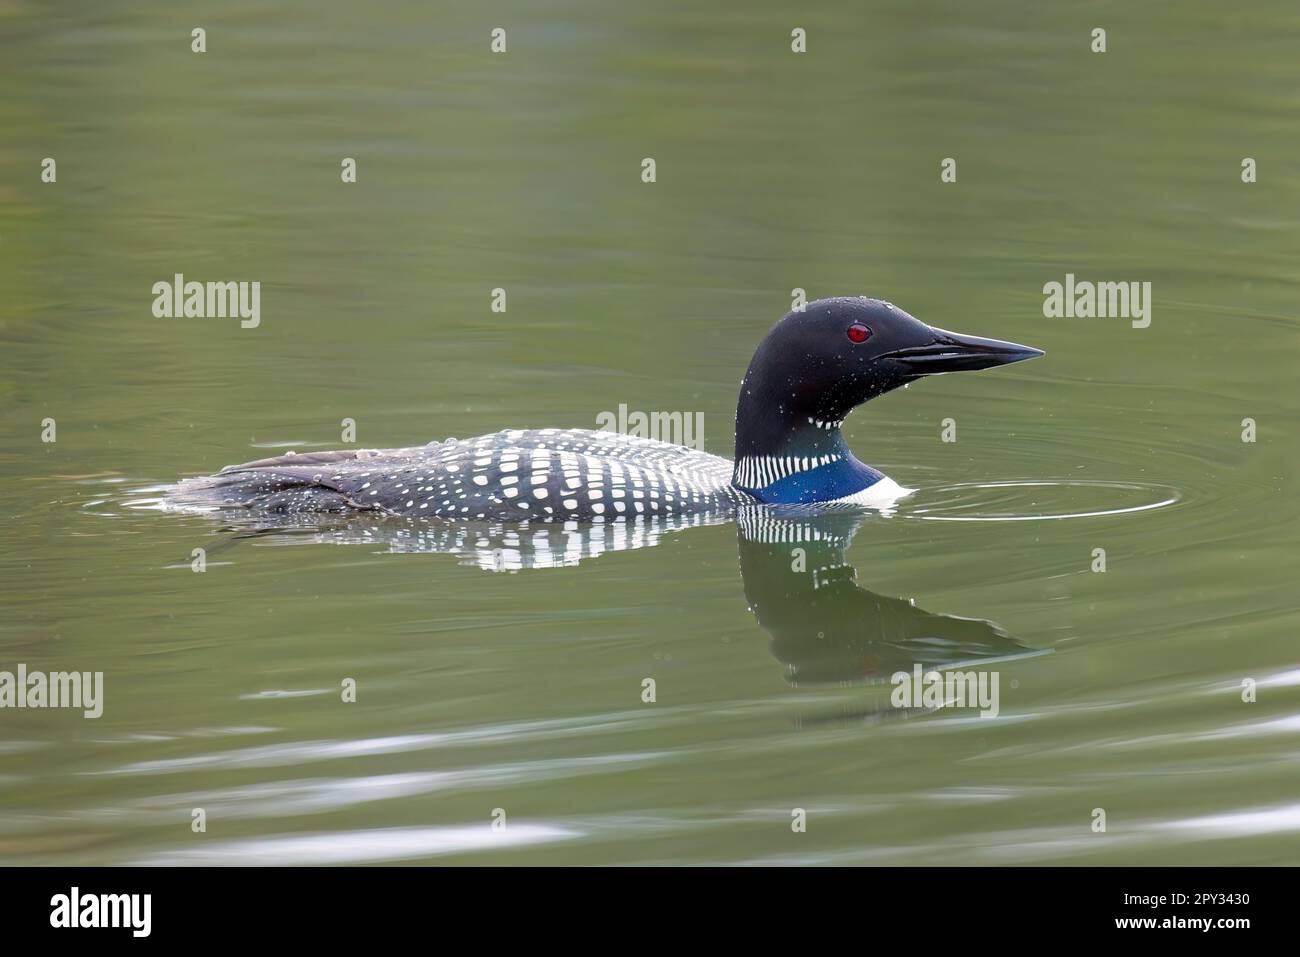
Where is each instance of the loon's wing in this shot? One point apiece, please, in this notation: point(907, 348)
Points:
point(297, 458)
point(275, 489)
point(631, 450)
point(546, 474)
point(293, 482)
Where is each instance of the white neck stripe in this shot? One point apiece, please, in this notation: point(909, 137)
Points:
point(760, 471)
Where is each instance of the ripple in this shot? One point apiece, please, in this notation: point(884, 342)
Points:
point(278, 755)
point(1254, 821)
point(977, 501)
point(355, 847)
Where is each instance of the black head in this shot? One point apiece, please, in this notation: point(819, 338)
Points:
point(821, 361)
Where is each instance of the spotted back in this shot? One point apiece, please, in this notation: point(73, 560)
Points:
point(545, 474)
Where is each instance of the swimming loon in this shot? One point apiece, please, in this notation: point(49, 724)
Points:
point(814, 367)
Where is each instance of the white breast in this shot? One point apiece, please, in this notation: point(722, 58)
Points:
point(882, 495)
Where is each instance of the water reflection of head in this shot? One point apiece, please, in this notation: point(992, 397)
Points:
point(824, 627)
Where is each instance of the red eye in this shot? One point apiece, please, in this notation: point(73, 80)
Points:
point(859, 333)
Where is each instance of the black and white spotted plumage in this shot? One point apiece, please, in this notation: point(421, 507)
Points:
point(542, 474)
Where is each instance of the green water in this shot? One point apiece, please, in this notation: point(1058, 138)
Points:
point(478, 691)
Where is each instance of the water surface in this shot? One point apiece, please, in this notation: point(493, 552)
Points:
point(521, 690)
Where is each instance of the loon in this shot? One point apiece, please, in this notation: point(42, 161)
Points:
point(815, 366)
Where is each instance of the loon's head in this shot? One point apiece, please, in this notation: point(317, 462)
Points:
point(815, 366)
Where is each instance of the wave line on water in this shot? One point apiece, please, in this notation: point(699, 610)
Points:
point(1170, 495)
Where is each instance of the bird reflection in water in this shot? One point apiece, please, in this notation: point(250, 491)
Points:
point(824, 627)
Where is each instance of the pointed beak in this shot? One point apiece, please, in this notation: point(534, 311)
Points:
point(953, 352)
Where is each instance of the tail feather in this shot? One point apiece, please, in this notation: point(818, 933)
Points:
point(270, 490)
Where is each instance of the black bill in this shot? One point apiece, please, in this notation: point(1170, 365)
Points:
point(953, 352)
